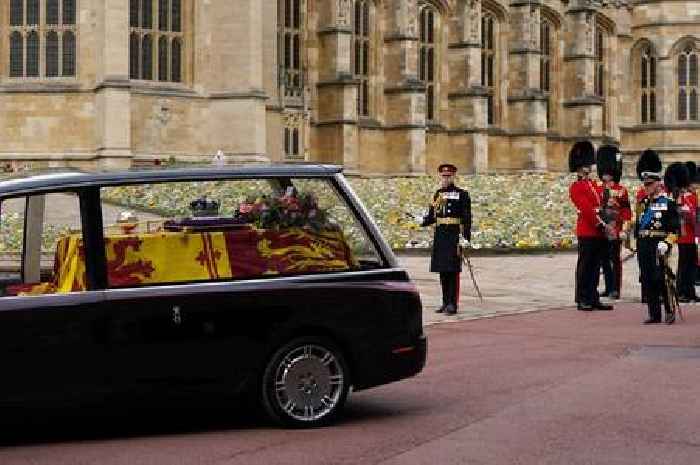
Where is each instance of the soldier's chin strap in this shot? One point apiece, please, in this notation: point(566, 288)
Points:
point(465, 259)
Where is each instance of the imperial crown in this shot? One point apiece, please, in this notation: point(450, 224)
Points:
point(204, 207)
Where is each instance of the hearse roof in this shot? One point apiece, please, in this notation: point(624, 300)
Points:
point(37, 181)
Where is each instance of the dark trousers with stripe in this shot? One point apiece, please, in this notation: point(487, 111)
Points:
point(449, 281)
point(590, 253)
point(612, 266)
point(651, 273)
point(687, 265)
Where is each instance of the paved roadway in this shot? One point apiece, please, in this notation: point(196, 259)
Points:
point(541, 384)
point(549, 387)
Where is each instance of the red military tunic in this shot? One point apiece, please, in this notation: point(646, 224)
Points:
point(585, 196)
point(688, 206)
point(618, 205)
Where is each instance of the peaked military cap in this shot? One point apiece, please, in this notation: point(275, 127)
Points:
point(447, 168)
point(581, 154)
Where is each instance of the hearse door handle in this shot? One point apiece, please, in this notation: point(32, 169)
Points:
point(177, 315)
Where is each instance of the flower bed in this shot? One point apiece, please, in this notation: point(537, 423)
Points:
point(523, 211)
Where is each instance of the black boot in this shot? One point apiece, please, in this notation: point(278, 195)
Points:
point(441, 309)
point(450, 310)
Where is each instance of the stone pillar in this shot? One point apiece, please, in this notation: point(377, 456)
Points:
point(113, 94)
point(584, 109)
point(467, 97)
point(229, 50)
point(336, 125)
point(528, 104)
point(404, 93)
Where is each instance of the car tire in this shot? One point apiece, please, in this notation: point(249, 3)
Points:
point(306, 382)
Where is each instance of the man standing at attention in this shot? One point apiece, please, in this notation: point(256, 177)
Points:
point(590, 228)
point(616, 212)
point(451, 212)
point(659, 226)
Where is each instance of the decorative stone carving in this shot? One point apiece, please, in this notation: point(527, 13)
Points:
point(293, 119)
point(344, 13)
point(534, 27)
point(473, 21)
point(590, 26)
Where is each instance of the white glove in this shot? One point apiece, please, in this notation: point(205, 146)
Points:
point(463, 243)
point(417, 219)
point(662, 248)
point(623, 236)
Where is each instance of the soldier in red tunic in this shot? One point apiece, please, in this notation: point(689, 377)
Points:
point(693, 172)
point(615, 212)
point(591, 230)
point(677, 180)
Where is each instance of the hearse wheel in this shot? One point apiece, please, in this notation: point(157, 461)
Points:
point(305, 383)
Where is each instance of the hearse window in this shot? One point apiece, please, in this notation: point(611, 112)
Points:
point(41, 245)
point(229, 230)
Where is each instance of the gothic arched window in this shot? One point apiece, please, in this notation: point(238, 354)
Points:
point(428, 65)
point(68, 54)
point(601, 71)
point(648, 86)
point(32, 67)
point(688, 85)
point(52, 54)
point(163, 58)
point(488, 64)
point(546, 40)
point(52, 7)
point(17, 13)
point(176, 60)
point(291, 42)
point(42, 38)
point(362, 47)
point(146, 57)
point(68, 12)
point(599, 79)
point(161, 29)
point(16, 54)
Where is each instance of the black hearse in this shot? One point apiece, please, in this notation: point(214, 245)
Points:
point(272, 281)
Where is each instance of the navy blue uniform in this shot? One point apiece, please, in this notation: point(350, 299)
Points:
point(659, 221)
point(452, 213)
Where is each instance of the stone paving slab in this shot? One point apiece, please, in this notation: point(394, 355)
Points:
point(512, 284)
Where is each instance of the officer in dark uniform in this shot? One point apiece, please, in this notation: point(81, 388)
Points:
point(451, 212)
point(649, 161)
point(658, 227)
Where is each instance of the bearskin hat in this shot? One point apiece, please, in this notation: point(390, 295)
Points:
point(676, 177)
point(609, 161)
point(649, 162)
point(692, 171)
point(581, 154)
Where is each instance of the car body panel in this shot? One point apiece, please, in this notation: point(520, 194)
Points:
point(200, 335)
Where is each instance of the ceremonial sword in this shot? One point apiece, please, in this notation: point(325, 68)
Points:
point(465, 259)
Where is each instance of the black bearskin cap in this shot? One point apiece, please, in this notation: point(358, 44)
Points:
point(581, 154)
point(692, 171)
point(609, 161)
point(649, 162)
point(676, 176)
